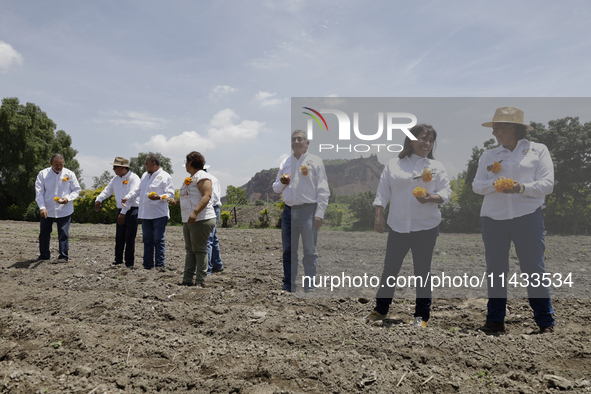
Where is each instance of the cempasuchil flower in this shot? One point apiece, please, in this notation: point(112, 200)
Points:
point(56, 198)
point(504, 184)
point(419, 191)
point(163, 196)
point(427, 175)
point(495, 167)
point(188, 180)
point(304, 170)
point(125, 182)
point(152, 194)
point(65, 179)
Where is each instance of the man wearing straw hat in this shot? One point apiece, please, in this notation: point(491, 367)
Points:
point(514, 178)
point(123, 183)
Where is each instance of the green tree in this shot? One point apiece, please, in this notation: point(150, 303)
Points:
point(569, 143)
point(235, 194)
point(28, 141)
point(138, 164)
point(362, 207)
point(102, 181)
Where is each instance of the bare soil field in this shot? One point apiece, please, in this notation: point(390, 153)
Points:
point(88, 327)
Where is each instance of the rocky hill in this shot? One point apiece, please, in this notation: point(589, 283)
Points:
point(345, 177)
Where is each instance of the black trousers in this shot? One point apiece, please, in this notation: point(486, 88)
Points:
point(125, 237)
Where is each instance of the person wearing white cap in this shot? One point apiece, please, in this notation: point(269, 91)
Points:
point(123, 183)
point(514, 179)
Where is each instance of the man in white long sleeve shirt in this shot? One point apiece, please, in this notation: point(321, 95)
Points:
point(153, 209)
point(302, 182)
point(55, 189)
point(122, 184)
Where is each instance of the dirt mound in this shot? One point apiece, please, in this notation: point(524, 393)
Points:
point(84, 326)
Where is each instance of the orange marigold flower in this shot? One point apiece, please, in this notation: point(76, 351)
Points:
point(188, 180)
point(65, 179)
point(495, 167)
point(151, 194)
point(427, 175)
point(419, 191)
point(56, 199)
point(163, 196)
point(125, 182)
point(504, 184)
point(304, 170)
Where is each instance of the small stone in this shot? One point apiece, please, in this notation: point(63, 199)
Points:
point(558, 382)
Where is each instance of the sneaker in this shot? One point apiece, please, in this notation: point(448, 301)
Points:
point(185, 284)
point(419, 323)
point(493, 328)
point(213, 271)
point(547, 330)
point(374, 316)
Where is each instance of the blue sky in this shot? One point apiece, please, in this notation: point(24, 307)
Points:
point(122, 77)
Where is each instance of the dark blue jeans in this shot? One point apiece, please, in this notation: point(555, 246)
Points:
point(213, 246)
point(63, 235)
point(527, 234)
point(421, 243)
point(125, 237)
point(153, 237)
point(298, 222)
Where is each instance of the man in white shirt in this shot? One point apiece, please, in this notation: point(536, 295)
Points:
point(155, 187)
point(55, 189)
point(122, 184)
point(302, 182)
point(215, 263)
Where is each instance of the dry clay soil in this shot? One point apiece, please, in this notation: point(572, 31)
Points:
point(87, 327)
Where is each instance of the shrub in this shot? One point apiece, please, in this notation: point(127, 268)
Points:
point(84, 208)
point(225, 216)
point(259, 203)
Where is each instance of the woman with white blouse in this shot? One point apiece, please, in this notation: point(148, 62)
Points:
point(415, 184)
point(514, 178)
point(198, 216)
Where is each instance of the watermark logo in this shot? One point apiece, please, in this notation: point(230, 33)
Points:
point(391, 119)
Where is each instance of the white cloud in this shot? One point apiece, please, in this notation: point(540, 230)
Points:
point(220, 91)
point(131, 119)
point(333, 95)
point(184, 142)
point(224, 127)
point(8, 57)
point(267, 99)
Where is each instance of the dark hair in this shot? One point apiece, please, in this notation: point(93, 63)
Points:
point(154, 158)
point(520, 131)
point(417, 130)
point(196, 160)
point(55, 156)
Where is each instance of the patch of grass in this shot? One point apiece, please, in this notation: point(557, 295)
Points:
point(57, 344)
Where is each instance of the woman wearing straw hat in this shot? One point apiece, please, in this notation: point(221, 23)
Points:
point(415, 184)
point(514, 178)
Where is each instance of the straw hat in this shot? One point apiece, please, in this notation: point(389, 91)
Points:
point(121, 162)
point(508, 115)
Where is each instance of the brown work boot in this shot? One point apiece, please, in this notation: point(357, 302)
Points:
point(493, 328)
point(374, 316)
point(547, 330)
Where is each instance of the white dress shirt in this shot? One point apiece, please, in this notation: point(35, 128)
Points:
point(191, 195)
point(121, 189)
point(397, 185)
point(304, 187)
point(530, 164)
point(161, 183)
point(216, 191)
point(49, 184)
